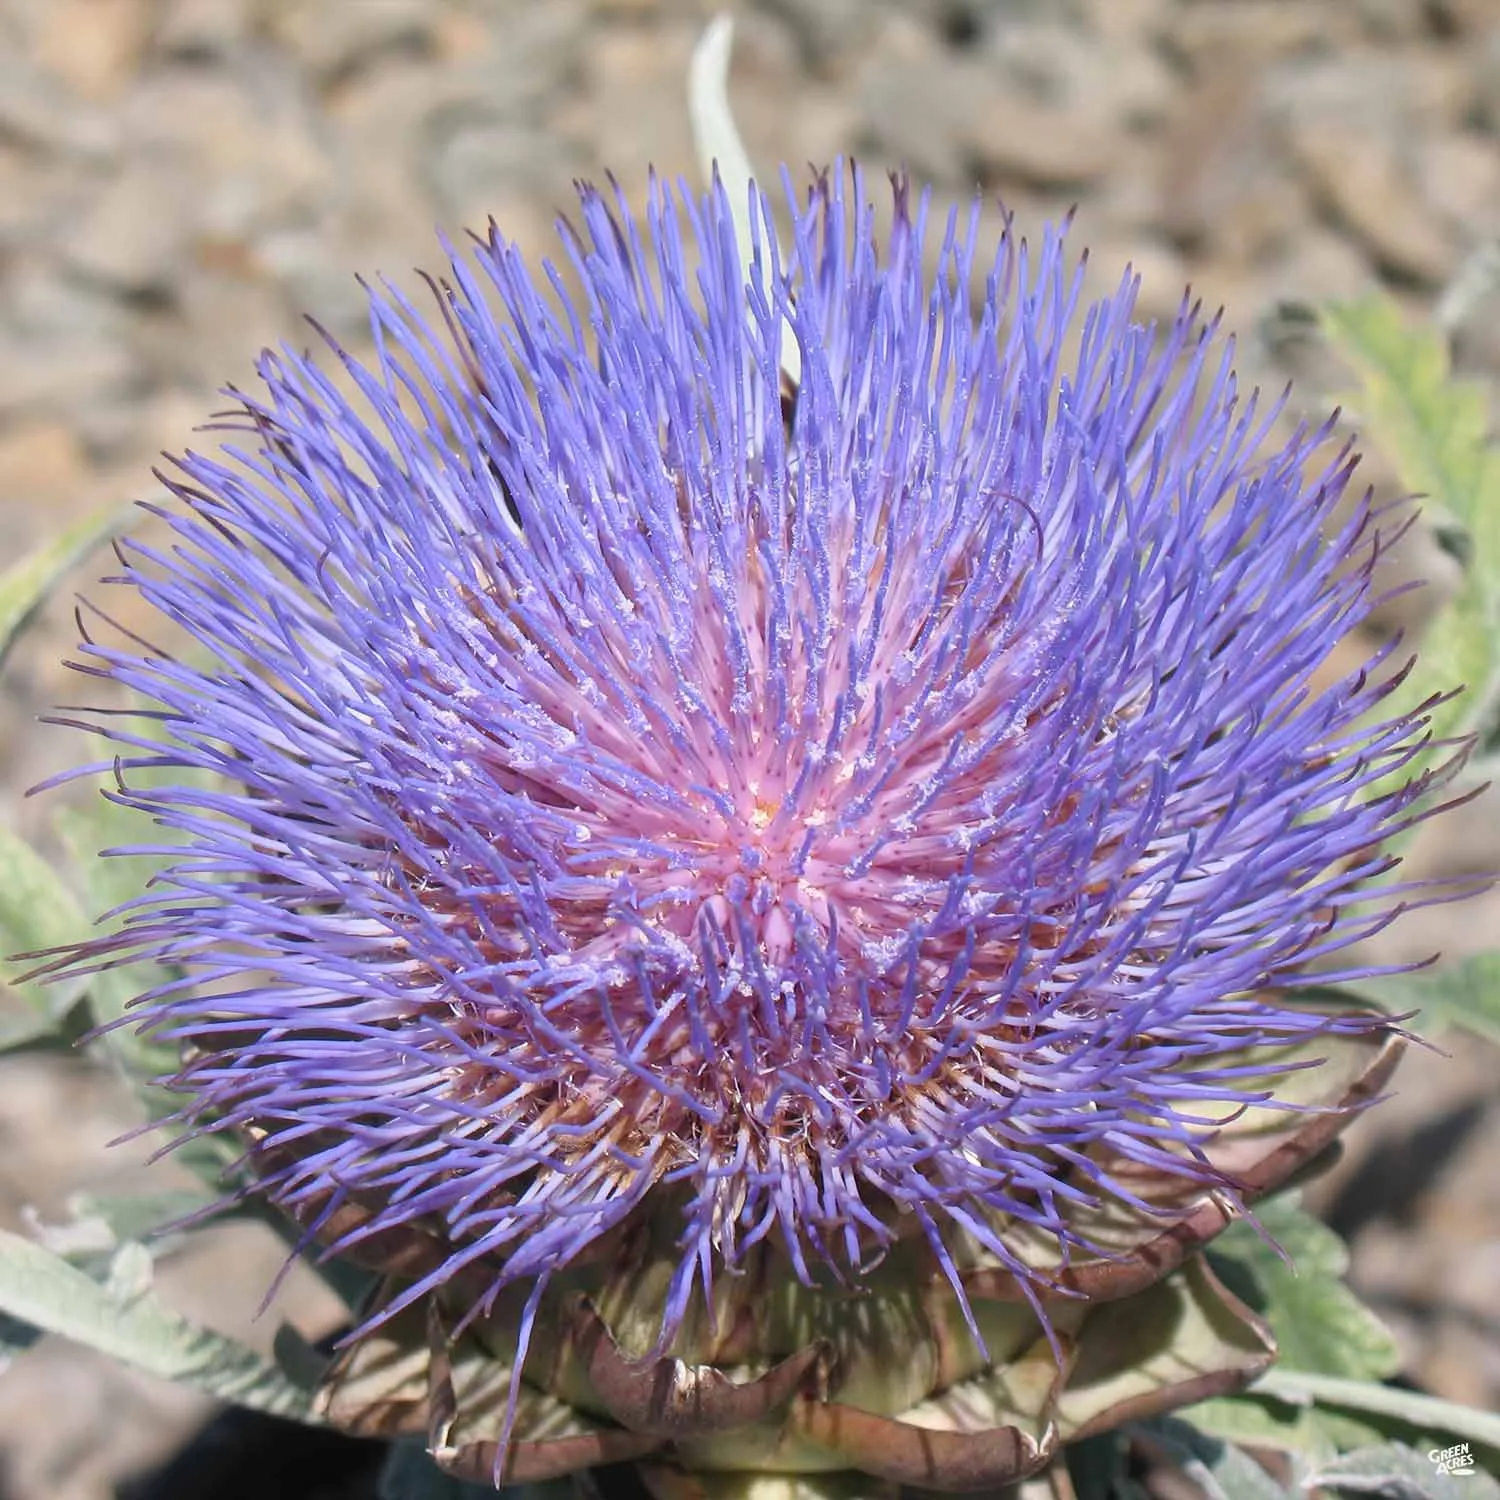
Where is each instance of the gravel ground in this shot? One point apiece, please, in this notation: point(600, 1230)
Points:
point(181, 179)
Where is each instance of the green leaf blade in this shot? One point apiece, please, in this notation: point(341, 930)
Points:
point(37, 912)
point(26, 585)
point(1319, 1324)
point(125, 1320)
point(1435, 430)
point(1466, 994)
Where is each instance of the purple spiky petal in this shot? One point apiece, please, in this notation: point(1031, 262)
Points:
point(888, 807)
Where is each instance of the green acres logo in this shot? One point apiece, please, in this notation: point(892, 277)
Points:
point(1455, 1460)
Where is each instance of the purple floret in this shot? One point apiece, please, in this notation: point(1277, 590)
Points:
point(882, 804)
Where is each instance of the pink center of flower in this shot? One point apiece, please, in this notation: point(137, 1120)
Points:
point(816, 768)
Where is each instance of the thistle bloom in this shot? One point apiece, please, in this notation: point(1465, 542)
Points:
point(873, 823)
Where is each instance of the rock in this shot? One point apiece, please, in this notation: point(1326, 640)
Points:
point(375, 126)
point(462, 38)
point(1013, 143)
point(333, 41)
point(1393, 20)
point(62, 346)
point(315, 274)
point(1221, 189)
point(196, 29)
point(32, 198)
point(133, 236)
point(1318, 265)
point(1400, 93)
point(949, 120)
point(249, 312)
point(42, 464)
point(249, 147)
point(35, 111)
point(1129, 23)
point(1486, 74)
point(619, 67)
point(1361, 183)
point(93, 45)
point(830, 33)
point(1460, 18)
point(87, 1422)
point(910, 114)
point(1459, 175)
point(1247, 32)
point(471, 161)
point(1163, 274)
point(627, 10)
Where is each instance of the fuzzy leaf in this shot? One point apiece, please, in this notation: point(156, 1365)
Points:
point(37, 911)
point(1319, 1324)
point(1465, 994)
point(24, 586)
point(1259, 1421)
point(1323, 1415)
point(1434, 428)
point(124, 1319)
point(108, 881)
point(1395, 1472)
point(97, 1226)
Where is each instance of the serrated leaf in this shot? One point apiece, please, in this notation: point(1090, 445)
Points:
point(96, 1226)
point(21, 1027)
point(1259, 1421)
point(127, 1321)
point(1435, 430)
point(1320, 1325)
point(1397, 1472)
point(108, 881)
point(1397, 1413)
point(142, 1216)
point(1465, 994)
point(1321, 1416)
point(37, 911)
point(24, 586)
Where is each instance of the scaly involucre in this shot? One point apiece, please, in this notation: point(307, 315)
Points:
point(878, 808)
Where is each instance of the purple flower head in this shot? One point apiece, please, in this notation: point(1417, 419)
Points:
point(888, 807)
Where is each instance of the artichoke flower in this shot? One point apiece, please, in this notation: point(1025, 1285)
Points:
point(773, 914)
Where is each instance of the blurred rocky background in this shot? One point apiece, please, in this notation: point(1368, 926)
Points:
point(180, 180)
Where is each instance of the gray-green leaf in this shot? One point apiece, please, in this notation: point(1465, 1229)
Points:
point(1464, 994)
point(24, 586)
point(1396, 1472)
point(1436, 430)
point(37, 911)
point(127, 1321)
point(1320, 1325)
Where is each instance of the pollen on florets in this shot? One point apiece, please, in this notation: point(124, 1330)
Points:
point(896, 807)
